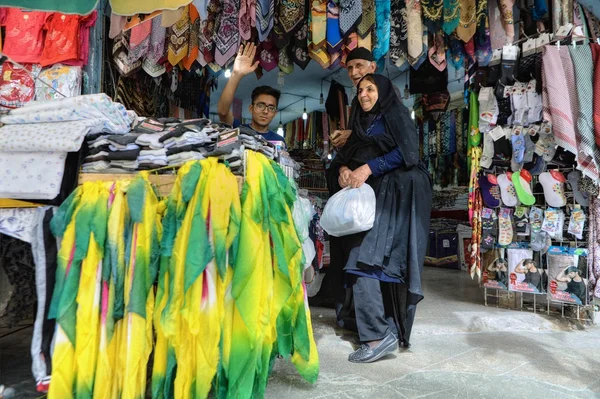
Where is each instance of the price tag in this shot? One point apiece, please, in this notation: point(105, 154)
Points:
point(496, 57)
point(564, 30)
point(510, 52)
point(529, 47)
point(497, 133)
point(7, 75)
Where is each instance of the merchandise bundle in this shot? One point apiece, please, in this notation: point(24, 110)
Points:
point(207, 280)
point(534, 173)
point(51, 46)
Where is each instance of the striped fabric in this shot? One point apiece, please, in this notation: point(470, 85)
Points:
point(561, 106)
point(583, 64)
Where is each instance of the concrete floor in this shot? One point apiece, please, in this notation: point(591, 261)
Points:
point(460, 349)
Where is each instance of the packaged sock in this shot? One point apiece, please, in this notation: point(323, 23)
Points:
point(519, 103)
point(554, 220)
point(581, 197)
point(534, 103)
point(554, 188)
point(518, 144)
point(490, 191)
point(506, 227)
point(529, 148)
point(522, 221)
point(488, 107)
point(489, 228)
point(577, 222)
point(546, 144)
point(488, 151)
point(507, 190)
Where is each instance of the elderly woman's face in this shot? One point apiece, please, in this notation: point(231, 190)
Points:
point(367, 95)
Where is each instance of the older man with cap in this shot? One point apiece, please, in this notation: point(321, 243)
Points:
point(359, 63)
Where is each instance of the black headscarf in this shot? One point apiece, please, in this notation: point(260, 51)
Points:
point(399, 126)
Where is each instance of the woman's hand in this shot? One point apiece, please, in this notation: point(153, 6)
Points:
point(360, 176)
point(344, 179)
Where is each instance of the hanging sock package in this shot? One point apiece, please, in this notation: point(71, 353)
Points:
point(349, 211)
point(525, 275)
point(568, 275)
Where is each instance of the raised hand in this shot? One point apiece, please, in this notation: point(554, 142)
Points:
point(244, 62)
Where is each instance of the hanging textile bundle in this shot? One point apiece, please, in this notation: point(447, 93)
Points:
point(103, 300)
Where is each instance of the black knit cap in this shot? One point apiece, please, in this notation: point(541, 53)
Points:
point(359, 53)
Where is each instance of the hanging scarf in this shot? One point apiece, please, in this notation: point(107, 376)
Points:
point(350, 43)
point(451, 15)
point(593, 23)
point(436, 53)
point(367, 21)
point(291, 13)
point(382, 28)
point(596, 97)
point(350, 13)
point(456, 53)
point(432, 11)
point(318, 44)
point(566, 9)
point(178, 38)
point(415, 31)
point(334, 37)
point(468, 15)
point(398, 34)
point(265, 10)
point(366, 42)
point(139, 41)
point(506, 9)
point(300, 46)
point(211, 27)
point(498, 35)
point(246, 18)
point(268, 55)
point(483, 44)
point(285, 61)
point(193, 45)
point(227, 40)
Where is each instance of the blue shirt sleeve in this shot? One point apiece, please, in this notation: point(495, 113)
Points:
point(385, 163)
point(236, 123)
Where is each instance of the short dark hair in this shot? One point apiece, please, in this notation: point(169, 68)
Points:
point(268, 90)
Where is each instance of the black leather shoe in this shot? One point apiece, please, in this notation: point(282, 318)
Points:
point(366, 354)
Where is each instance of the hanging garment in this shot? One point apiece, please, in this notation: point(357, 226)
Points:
point(451, 15)
point(350, 14)
point(483, 44)
point(139, 41)
point(156, 50)
point(366, 42)
point(246, 17)
point(583, 65)
point(265, 11)
point(367, 21)
point(268, 55)
point(594, 247)
point(318, 45)
point(566, 9)
point(227, 40)
point(132, 7)
point(178, 35)
point(80, 7)
point(593, 23)
point(382, 30)
point(433, 11)
point(398, 33)
point(24, 34)
point(350, 43)
point(194, 38)
point(468, 20)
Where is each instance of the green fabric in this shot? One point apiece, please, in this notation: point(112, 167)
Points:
point(525, 196)
point(81, 7)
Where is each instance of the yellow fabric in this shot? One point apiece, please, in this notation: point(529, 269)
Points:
point(132, 7)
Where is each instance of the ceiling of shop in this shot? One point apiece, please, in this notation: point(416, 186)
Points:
point(307, 83)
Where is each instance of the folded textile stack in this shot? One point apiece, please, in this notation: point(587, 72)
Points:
point(36, 139)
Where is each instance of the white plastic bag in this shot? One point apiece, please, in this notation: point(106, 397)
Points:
point(349, 211)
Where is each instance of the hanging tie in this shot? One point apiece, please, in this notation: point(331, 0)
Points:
point(227, 40)
point(399, 36)
point(451, 15)
point(382, 27)
point(350, 12)
point(414, 28)
point(367, 21)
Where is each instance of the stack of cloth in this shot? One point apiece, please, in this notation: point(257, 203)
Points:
point(253, 141)
point(117, 153)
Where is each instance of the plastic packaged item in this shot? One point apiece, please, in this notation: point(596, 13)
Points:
point(61, 79)
point(349, 211)
point(17, 86)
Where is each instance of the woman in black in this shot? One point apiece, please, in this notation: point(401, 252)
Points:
point(575, 283)
point(384, 264)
